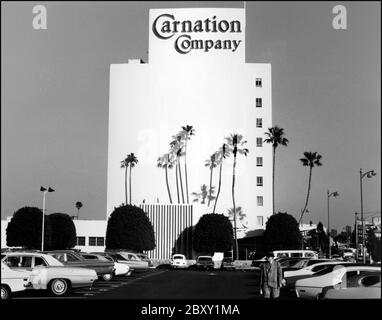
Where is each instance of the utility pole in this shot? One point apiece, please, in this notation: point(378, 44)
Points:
point(356, 236)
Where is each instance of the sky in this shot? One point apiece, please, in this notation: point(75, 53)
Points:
point(55, 94)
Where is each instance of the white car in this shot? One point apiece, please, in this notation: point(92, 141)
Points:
point(121, 269)
point(366, 287)
point(12, 281)
point(47, 272)
point(133, 261)
point(341, 277)
point(178, 261)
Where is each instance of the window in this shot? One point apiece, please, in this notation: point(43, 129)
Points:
point(38, 261)
point(259, 181)
point(26, 262)
point(80, 241)
point(100, 241)
point(259, 102)
point(259, 161)
point(13, 262)
point(258, 82)
point(259, 122)
point(71, 257)
point(92, 241)
point(260, 201)
point(260, 220)
point(259, 142)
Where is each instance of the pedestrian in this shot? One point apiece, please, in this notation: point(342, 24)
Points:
point(271, 277)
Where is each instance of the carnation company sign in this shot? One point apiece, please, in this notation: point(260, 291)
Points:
point(166, 26)
point(203, 33)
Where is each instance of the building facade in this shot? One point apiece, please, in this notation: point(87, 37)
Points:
point(196, 75)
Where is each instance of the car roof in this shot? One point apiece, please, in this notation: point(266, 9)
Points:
point(23, 253)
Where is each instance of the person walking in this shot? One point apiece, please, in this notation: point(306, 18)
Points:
point(271, 277)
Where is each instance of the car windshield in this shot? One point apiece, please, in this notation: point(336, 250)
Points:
point(178, 257)
point(327, 269)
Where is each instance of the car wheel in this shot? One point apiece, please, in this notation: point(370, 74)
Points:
point(107, 277)
point(59, 287)
point(5, 292)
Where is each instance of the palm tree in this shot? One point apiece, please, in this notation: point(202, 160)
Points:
point(236, 144)
point(311, 160)
point(125, 164)
point(239, 213)
point(275, 136)
point(130, 161)
point(78, 206)
point(177, 149)
point(203, 194)
point(211, 163)
point(166, 163)
point(222, 153)
point(186, 133)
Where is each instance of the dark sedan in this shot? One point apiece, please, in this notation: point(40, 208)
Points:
point(205, 263)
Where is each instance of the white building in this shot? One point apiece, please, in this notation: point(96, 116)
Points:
point(196, 75)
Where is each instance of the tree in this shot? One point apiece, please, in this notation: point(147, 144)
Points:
point(176, 148)
point(130, 161)
point(78, 206)
point(129, 228)
point(322, 237)
point(282, 232)
point(236, 144)
point(24, 229)
point(213, 233)
point(311, 160)
point(63, 232)
point(222, 153)
point(275, 136)
point(203, 194)
point(373, 245)
point(239, 213)
point(187, 132)
point(211, 163)
point(166, 163)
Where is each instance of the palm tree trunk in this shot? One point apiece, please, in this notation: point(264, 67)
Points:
point(180, 180)
point(126, 185)
point(234, 208)
point(177, 185)
point(78, 213)
point(307, 196)
point(220, 182)
point(168, 187)
point(185, 170)
point(273, 180)
point(209, 198)
point(130, 184)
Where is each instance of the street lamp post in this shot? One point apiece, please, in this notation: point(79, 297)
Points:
point(334, 194)
point(44, 191)
point(369, 174)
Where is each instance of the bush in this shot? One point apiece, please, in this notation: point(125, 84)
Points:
point(213, 233)
point(282, 233)
point(24, 229)
point(129, 228)
point(63, 232)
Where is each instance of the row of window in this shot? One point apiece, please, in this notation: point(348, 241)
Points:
point(92, 241)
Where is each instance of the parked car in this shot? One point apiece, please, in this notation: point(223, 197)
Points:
point(257, 263)
point(227, 264)
point(145, 257)
point(46, 272)
point(341, 277)
point(366, 287)
point(117, 258)
point(104, 269)
point(295, 254)
point(303, 263)
point(12, 281)
point(120, 269)
point(133, 260)
point(321, 268)
point(178, 261)
point(205, 263)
